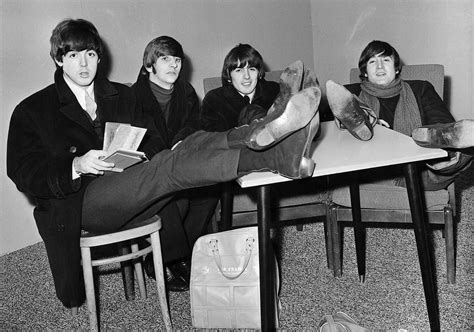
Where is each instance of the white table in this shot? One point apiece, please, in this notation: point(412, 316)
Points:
point(336, 151)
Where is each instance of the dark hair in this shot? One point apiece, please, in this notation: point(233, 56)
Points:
point(74, 35)
point(378, 47)
point(239, 57)
point(160, 46)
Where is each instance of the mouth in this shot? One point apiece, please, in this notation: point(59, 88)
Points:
point(380, 74)
point(84, 74)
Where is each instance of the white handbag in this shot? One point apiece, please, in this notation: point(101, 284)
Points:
point(225, 281)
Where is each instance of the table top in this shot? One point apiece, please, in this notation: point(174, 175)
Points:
point(337, 151)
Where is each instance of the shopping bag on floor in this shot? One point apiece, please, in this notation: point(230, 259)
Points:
point(339, 322)
point(225, 280)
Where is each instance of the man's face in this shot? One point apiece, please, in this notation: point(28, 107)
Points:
point(244, 79)
point(80, 66)
point(381, 69)
point(165, 71)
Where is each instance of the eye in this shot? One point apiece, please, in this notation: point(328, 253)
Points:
point(71, 55)
point(238, 70)
point(92, 54)
point(387, 59)
point(178, 60)
point(165, 58)
point(371, 61)
point(253, 69)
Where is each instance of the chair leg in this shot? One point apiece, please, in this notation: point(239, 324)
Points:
point(139, 273)
point(328, 240)
point(336, 241)
point(160, 279)
point(89, 285)
point(127, 273)
point(450, 247)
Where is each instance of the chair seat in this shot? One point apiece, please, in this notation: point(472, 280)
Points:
point(379, 196)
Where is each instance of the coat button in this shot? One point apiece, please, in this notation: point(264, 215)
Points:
point(72, 149)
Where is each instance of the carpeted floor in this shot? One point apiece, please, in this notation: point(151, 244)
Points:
point(391, 298)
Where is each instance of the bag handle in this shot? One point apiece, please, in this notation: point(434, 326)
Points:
point(213, 245)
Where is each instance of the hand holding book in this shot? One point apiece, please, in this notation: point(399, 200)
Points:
point(121, 142)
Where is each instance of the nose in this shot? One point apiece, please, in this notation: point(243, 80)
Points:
point(379, 63)
point(82, 60)
point(246, 73)
point(173, 63)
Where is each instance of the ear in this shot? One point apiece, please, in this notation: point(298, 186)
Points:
point(149, 69)
point(59, 63)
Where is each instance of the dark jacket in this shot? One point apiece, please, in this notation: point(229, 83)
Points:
point(47, 130)
point(221, 107)
point(184, 111)
point(431, 106)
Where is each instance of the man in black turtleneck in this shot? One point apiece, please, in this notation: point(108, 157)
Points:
point(172, 105)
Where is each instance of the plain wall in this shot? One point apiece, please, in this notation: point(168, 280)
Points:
point(280, 29)
point(422, 31)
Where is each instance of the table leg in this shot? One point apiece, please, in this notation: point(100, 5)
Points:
point(423, 244)
point(359, 230)
point(267, 282)
point(227, 200)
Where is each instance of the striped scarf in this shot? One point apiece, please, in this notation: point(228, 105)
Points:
point(407, 115)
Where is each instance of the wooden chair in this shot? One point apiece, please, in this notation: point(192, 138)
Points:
point(382, 203)
point(292, 200)
point(147, 228)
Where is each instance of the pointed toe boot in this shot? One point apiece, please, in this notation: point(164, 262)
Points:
point(298, 112)
point(457, 135)
point(309, 79)
point(290, 83)
point(347, 109)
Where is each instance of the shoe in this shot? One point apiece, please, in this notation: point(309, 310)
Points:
point(182, 269)
point(173, 281)
point(290, 83)
point(309, 79)
point(291, 158)
point(298, 112)
point(457, 135)
point(347, 109)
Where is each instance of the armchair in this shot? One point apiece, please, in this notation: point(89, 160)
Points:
point(382, 203)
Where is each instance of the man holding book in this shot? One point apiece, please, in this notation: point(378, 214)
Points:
point(55, 154)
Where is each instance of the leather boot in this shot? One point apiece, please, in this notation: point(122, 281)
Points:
point(290, 158)
point(298, 112)
point(309, 79)
point(263, 133)
point(290, 83)
point(347, 109)
point(457, 135)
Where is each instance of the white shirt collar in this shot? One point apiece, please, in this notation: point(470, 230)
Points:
point(79, 92)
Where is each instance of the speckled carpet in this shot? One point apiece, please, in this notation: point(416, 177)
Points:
point(391, 298)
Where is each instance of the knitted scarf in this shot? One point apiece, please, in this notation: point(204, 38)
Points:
point(407, 115)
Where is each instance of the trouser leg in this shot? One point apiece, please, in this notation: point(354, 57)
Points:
point(202, 159)
point(202, 205)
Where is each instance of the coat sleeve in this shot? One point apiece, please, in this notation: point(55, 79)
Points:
point(31, 164)
point(433, 109)
point(214, 112)
point(191, 124)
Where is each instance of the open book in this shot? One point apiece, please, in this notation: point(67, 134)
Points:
point(121, 142)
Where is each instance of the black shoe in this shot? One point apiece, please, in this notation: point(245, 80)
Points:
point(182, 269)
point(173, 281)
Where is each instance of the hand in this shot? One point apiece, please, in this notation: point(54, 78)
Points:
point(91, 163)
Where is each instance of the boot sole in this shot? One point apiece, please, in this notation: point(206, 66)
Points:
point(299, 111)
point(457, 135)
point(291, 79)
point(344, 107)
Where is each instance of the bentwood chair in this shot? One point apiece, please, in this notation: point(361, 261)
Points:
point(292, 201)
point(385, 203)
point(148, 228)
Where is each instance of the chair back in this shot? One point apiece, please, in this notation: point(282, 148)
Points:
point(432, 73)
point(212, 83)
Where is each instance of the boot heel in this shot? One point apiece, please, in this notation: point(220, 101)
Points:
point(307, 166)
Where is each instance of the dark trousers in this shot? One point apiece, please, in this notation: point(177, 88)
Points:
point(202, 159)
point(185, 218)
